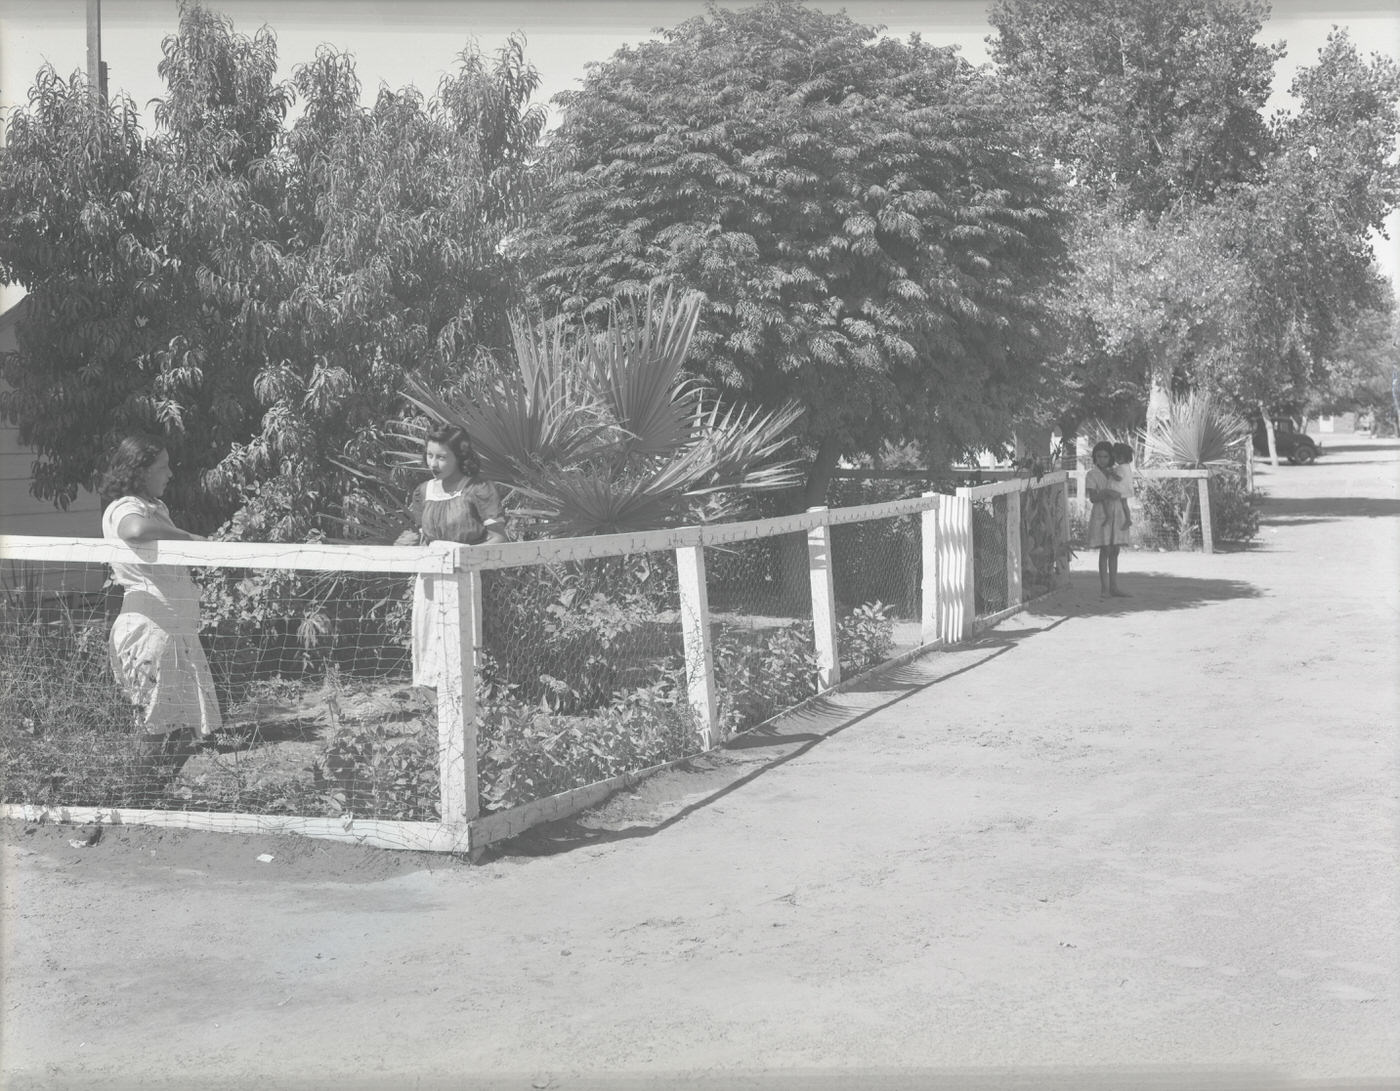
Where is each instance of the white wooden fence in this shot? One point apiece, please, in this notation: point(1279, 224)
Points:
point(947, 616)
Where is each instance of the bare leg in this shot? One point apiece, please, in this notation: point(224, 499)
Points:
point(1113, 588)
point(1104, 551)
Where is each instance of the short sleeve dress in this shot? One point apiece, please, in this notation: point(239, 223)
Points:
point(465, 515)
point(1108, 526)
point(155, 651)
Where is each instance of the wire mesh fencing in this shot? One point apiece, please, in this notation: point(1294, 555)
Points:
point(210, 689)
point(368, 688)
point(1045, 551)
point(762, 639)
point(989, 531)
point(878, 572)
point(581, 675)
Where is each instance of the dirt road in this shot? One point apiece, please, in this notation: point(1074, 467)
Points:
point(1147, 843)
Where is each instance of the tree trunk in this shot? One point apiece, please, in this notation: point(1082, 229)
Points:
point(1069, 441)
point(1159, 399)
point(819, 475)
point(1269, 435)
point(796, 583)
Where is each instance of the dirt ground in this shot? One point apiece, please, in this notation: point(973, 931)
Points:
point(1149, 842)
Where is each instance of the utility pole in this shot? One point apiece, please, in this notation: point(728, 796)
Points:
point(96, 66)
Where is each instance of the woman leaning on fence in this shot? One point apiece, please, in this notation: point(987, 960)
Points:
point(155, 650)
point(454, 505)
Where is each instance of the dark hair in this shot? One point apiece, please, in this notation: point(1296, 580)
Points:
point(456, 441)
point(1105, 446)
point(128, 463)
point(1122, 452)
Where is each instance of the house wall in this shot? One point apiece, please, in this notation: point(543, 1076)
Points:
point(21, 513)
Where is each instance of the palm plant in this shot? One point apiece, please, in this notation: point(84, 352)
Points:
point(601, 433)
point(1195, 433)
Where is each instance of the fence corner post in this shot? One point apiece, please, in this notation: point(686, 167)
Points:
point(695, 629)
point(459, 623)
point(928, 598)
point(1013, 547)
point(957, 604)
point(1207, 531)
point(823, 602)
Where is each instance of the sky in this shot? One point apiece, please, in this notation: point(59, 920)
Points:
point(400, 42)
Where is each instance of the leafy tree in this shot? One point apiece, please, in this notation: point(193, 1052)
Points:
point(111, 233)
point(1302, 234)
point(256, 293)
point(67, 216)
point(1363, 368)
point(866, 230)
point(1148, 105)
point(392, 264)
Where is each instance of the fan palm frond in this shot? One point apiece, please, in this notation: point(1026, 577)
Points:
point(1195, 433)
point(636, 370)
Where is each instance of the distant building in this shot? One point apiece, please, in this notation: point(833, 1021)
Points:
point(1342, 422)
point(22, 513)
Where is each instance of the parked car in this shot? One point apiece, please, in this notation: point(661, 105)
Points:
point(1298, 447)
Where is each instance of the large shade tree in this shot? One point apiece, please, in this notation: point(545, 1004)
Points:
point(1152, 113)
point(866, 230)
point(1143, 104)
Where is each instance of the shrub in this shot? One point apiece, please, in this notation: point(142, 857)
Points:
point(67, 732)
point(378, 773)
point(760, 673)
point(1234, 509)
point(527, 752)
point(574, 634)
point(864, 637)
point(1170, 513)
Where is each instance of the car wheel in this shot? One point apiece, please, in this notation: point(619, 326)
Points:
point(1304, 453)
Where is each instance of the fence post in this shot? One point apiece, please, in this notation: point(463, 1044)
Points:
point(1064, 526)
point(459, 622)
point(1079, 495)
point(823, 603)
point(695, 628)
point(957, 606)
point(928, 598)
point(478, 611)
point(1207, 531)
point(1013, 548)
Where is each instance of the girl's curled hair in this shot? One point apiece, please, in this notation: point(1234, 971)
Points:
point(456, 441)
point(1107, 448)
point(128, 463)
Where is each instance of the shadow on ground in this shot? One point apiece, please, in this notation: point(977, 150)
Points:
point(1324, 509)
point(747, 757)
point(1147, 592)
point(1330, 448)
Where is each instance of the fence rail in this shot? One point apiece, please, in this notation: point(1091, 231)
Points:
point(702, 593)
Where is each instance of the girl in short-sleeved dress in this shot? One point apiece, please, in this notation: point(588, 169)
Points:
point(467, 510)
point(1108, 521)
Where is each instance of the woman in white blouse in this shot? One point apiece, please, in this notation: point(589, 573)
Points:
point(155, 650)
